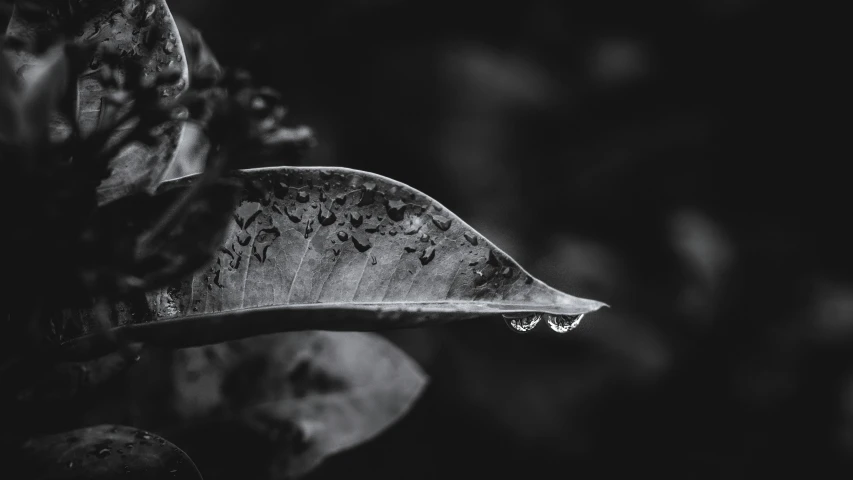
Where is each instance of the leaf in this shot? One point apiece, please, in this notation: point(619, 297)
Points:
point(334, 249)
point(105, 452)
point(296, 397)
point(125, 26)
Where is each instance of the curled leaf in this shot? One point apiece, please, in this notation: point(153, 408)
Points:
point(335, 249)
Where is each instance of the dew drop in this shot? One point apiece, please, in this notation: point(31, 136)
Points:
point(169, 47)
point(493, 259)
point(356, 219)
point(309, 227)
point(472, 239)
point(564, 323)
point(292, 215)
point(341, 199)
point(243, 238)
point(342, 236)
point(302, 196)
point(361, 244)
point(409, 249)
point(442, 223)
point(326, 217)
point(522, 323)
point(424, 238)
point(392, 232)
point(372, 260)
point(506, 272)
point(428, 255)
point(367, 194)
point(396, 210)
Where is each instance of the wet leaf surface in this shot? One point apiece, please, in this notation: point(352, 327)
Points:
point(125, 26)
point(105, 452)
point(319, 249)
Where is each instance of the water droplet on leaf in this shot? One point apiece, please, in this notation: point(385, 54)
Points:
point(342, 236)
point(472, 239)
point(326, 217)
point(564, 323)
point(427, 255)
point(442, 223)
point(522, 323)
point(361, 244)
point(303, 196)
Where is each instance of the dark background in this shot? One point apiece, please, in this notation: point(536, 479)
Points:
point(657, 156)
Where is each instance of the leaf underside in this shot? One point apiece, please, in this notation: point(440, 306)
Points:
point(332, 249)
point(124, 26)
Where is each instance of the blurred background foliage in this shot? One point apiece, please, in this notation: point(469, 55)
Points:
point(640, 153)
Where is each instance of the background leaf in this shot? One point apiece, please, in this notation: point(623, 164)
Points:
point(267, 407)
point(105, 452)
point(333, 249)
point(143, 32)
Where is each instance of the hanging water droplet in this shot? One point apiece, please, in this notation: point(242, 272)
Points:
point(522, 323)
point(442, 223)
point(564, 323)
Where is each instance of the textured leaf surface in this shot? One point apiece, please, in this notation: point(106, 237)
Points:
point(105, 452)
point(335, 249)
point(123, 25)
point(301, 396)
